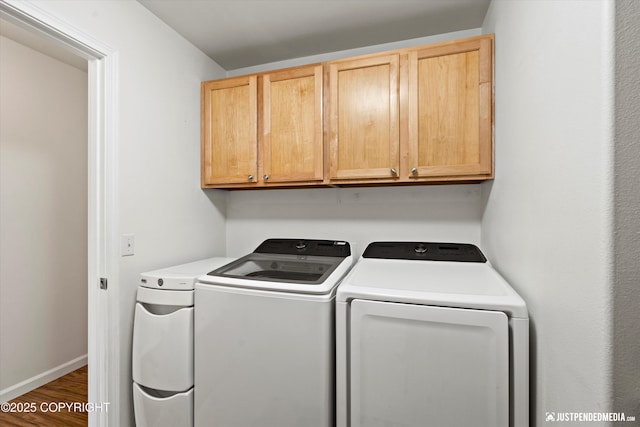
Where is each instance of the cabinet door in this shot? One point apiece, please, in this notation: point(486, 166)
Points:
point(364, 118)
point(450, 109)
point(292, 148)
point(229, 131)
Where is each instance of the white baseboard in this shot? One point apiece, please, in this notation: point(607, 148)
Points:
point(32, 383)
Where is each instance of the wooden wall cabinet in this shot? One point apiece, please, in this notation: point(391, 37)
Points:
point(263, 130)
point(414, 115)
point(364, 121)
point(450, 97)
point(292, 148)
point(229, 131)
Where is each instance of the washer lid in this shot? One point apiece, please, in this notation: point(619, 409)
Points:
point(441, 283)
point(290, 265)
point(311, 270)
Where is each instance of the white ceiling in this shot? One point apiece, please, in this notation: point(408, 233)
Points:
point(242, 33)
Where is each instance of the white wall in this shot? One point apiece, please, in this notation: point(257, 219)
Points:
point(359, 215)
point(626, 333)
point(43, 217)
point(159, 195)
point(548, 214)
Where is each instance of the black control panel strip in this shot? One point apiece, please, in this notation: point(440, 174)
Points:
point(310, 247)
point(425, 251)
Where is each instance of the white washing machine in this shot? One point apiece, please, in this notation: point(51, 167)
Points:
point(430, 335)
point(162, 357)
point(264, 336)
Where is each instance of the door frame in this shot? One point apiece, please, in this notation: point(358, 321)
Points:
point(103, 318)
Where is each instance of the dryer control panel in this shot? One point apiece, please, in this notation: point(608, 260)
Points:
point(425, 251)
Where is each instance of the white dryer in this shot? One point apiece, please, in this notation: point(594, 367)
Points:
point(430, 335)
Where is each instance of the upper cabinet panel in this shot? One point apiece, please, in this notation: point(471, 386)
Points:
point(414, 115)
point(364, 118)
point(292, 144)
point(450, 110)
point(229, 131)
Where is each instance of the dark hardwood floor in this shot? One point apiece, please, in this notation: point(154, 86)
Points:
point(40, 407)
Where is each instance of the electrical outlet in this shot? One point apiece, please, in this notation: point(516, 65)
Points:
point(127, 245)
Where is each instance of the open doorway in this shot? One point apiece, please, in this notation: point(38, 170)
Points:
point(100, 208)
point(43, 214)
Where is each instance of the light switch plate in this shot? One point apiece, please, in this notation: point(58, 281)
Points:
point(127, 245)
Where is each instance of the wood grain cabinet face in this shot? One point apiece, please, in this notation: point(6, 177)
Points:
point(418, 115)
point(229, 131)
point(292, 147)
point(364, 118)
point(450, 110)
